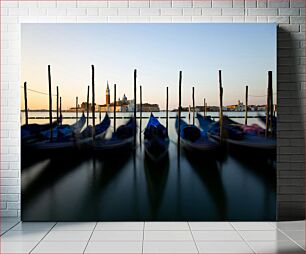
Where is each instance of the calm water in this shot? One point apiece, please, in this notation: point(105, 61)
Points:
point(130, 187)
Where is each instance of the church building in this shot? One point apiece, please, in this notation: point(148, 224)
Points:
point(121, 105)
point(124, 105)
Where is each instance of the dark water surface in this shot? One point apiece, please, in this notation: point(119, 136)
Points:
point(129, 187)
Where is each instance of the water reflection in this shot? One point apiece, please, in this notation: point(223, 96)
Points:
point(156, 177)
point(48, 174)
point(29, 159)
point(208, 171)
point(261, 166)
point(109, 167)
point(128, 186)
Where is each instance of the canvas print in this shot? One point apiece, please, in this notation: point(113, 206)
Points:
point(155, 122)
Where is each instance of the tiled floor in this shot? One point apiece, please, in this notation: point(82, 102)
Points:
point(152, 237)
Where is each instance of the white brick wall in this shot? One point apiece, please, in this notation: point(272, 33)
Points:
point(291, 72)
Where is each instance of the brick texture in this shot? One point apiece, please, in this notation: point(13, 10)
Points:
point(289, 14)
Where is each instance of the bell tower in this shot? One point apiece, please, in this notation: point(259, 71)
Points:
point(107, 94)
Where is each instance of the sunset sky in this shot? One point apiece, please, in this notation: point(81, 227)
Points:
point(244, 53)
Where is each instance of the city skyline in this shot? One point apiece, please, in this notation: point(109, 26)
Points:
point(81, 104)
point(244, 53)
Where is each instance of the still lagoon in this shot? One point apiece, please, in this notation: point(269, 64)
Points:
point(127, 186)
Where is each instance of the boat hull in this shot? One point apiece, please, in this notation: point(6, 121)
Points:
point(156, 151)
point(202, 144)
point(122, 140)
point(262, 143)
point(108, 145)
point(71, 145)
point(156, 139)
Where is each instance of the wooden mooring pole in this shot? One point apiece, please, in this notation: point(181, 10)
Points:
point(115, 107)
point(167, 107)
point(193, 107)
point(50, 103)
point(135, 105)
point(221, 106)
point(246, 105)
point(268, 108)
point(60, 109)
point(93, 101)
point(179, 109)
point(274, 110)
point(204, 109)
point(76, 107)
point(87, 107)
point(140, 113)
point(26, 103)
point(271, 100)
point(57, 103)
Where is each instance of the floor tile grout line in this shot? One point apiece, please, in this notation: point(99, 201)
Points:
point(290, 238)
point(143, 232)
point(274, 226)
point(193, 237)
point(291, 230)
point(206, 230)
point(14, 225)
point(254, 222)
point(90, 237)
point(42, 238)
point(123, 230)
point(158, 240)
point(158, 230)
point(244, 240)
point(237, 241)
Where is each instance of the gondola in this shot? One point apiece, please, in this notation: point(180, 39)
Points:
point(156, 139)
point(76, 140)
point(122, 138)
point(32, 131)
point(204, 122)
point(240, 135)
point(66, 131)
point(274, 122)
point(193, 139)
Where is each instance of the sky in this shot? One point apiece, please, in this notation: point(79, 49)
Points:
point(244, 52)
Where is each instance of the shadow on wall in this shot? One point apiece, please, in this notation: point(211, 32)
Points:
point(290, 133)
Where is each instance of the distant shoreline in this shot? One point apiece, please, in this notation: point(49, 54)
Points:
point(173, 110)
